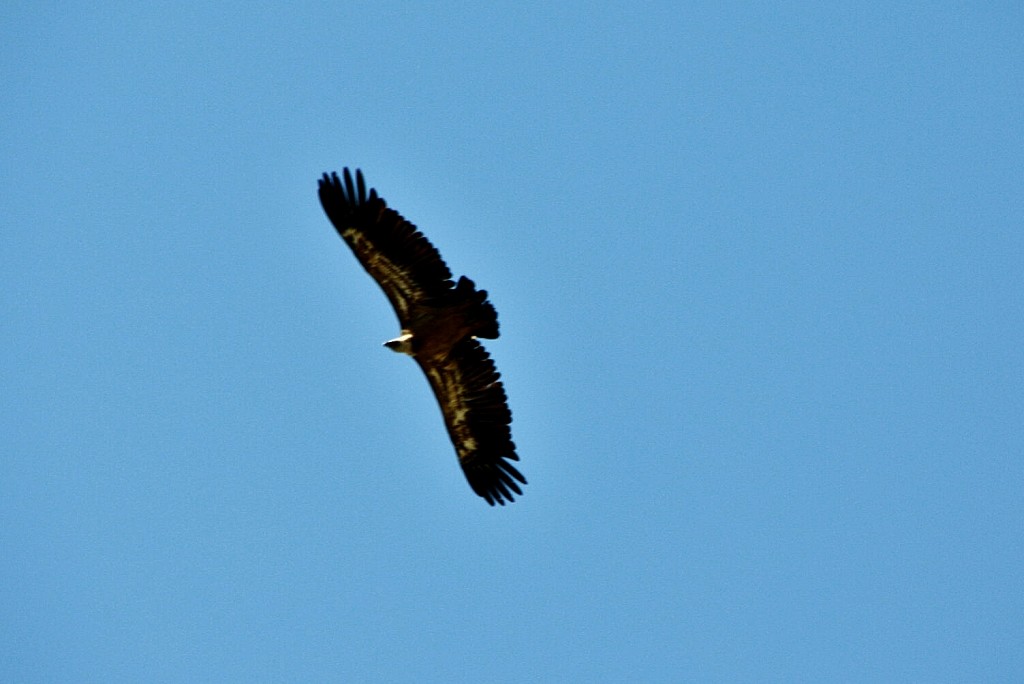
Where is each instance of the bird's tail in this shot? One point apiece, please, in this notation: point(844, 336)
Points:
point(480, 312)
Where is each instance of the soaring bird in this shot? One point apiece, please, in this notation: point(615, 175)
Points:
point(441, 323)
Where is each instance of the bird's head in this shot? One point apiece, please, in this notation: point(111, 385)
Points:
point(401, 344)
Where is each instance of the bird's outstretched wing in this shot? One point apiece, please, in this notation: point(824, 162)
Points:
point(475, 407)
point(402, 261)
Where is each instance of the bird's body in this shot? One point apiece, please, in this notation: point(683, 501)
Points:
point(440, 325)
point(441, 322)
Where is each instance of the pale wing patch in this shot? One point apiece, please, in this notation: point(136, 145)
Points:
point(447, 381)
point(389, 276)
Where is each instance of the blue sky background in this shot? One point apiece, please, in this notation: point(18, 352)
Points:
point(759, 275)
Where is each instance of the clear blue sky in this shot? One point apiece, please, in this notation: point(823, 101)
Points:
point(759, 276)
